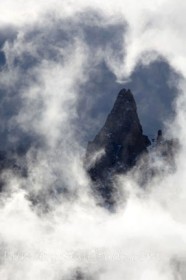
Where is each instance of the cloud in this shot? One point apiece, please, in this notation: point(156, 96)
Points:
point(61, 65)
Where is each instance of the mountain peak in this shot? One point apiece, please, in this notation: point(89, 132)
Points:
point(119, 143)
point(125, 92)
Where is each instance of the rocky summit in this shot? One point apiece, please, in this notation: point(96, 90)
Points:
point(117, 146)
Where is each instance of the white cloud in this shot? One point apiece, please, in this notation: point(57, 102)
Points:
point(145, 238)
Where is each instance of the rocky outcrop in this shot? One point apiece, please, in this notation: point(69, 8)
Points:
point(118, 145)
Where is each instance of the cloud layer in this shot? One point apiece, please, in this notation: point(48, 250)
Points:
point(61, 65)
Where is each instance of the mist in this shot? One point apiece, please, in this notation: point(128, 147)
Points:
point(62, 65)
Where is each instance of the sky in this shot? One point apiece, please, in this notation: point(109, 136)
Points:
point(62, 65)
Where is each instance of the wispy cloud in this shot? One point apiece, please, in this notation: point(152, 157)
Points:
point(51, 225)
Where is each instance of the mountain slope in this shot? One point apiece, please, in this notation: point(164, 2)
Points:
point(118, 145)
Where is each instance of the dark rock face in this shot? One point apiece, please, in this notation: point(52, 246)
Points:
point(118, 145)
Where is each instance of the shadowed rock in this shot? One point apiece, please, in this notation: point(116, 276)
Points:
point(118, 145)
